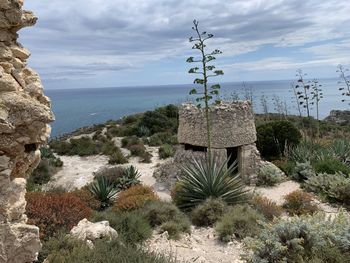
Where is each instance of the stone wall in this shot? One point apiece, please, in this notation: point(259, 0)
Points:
point(24, 116)
point(232, 125)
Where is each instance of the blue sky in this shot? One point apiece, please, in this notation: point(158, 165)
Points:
point(95, 43)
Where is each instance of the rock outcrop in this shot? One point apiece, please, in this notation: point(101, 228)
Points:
point(339, 117)
point(86, 230)
point(24, 116)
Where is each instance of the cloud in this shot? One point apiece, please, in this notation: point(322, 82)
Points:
point(89, 37)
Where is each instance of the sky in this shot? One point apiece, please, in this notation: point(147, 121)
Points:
point(111, 43)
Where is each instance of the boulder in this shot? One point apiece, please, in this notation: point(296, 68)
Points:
point(86, 230)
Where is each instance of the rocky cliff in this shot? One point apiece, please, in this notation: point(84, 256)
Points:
point(24, 116)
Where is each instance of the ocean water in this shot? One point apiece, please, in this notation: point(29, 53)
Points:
point(75, 108)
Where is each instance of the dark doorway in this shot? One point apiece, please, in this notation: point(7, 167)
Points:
point(195, 148)
point(232, 156)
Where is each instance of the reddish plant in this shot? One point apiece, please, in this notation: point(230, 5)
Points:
point(134, 197)
point(299, 203)
point(55, 212)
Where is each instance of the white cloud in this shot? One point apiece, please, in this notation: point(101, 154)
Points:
point(117, 34)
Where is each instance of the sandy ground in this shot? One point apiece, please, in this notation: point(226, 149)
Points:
point(78, 171)
point(200, 247)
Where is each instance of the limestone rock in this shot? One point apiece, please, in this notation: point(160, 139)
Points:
point(339, 117)
point(25, 113)
point(86, 230)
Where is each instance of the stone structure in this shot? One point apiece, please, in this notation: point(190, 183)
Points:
point(233, 134)
point(24, 116)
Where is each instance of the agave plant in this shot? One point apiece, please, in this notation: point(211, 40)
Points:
point(103, 190)
point(131, 176)
point(208, 178)
point(341, 149)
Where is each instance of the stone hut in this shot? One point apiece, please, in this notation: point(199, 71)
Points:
point(233, 134)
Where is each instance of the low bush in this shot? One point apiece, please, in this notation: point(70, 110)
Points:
point(300, 239)
point(285, 165)
point(269, 175)
point(137, 150)
point(239, 222)
point(274, 136)
point(166, 151)
point(67, 250)
point(117, 157)
point(207, 213)
point(332, 187)
point(121, 177)
point(161, 138)
point(266, 207)
point(158, 121)
point(42, 174)
point(331, 166)
point(202, 179)
point(303, 171)
point(90, 200)
point(130, 140)
point(299, 203)
point(132, 227)
point(175, 228)
point(83, 146)
point(134, 198)
point(159, 212)
point(55, 212)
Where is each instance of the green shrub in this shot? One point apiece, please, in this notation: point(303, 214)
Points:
point(341, 149)
point(47, 153)
point(285, 165)
point(175, 227)
point(137, 149)
point(299, 239)
point(117, 157)
point(331, 166)
point(166, 151)
point(299, 203)
point(207, 213)
point(239, 222)
point(266, 207)
point(333, 187)
point(303, 171)
point(103, 190)
point(269, 175)
point(130, 177)
point(158, 139)
point(203, 179)
point(83, 146)
point(159, 212)
point(104, 251)
point(132, 227)
point(274, 136)
point(156, 121)
point(130, 140)
point(112, 174)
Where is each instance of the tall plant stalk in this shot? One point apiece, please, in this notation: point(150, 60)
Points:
point(204, 58)
point(344, 80)
point(305, 94)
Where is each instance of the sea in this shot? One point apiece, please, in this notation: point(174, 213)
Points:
point(78, 107)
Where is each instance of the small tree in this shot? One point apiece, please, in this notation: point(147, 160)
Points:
point(317, 95)
point(296, 97)
point(205, 71)
point(344, 80)
point(304, 94)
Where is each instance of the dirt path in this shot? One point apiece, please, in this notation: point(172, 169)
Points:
point(77, 171)
point(201, 246)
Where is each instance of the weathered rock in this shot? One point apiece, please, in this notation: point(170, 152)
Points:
point(86, 230)
point(24, 116)
point(339, 117)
